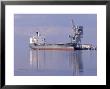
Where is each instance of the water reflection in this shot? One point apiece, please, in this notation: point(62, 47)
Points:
point(34, 60)
point(76, 62)
point(57, 61)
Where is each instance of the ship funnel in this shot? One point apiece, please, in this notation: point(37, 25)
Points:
point(37, 33)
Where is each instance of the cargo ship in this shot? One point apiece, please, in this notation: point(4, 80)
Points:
point(37, 42)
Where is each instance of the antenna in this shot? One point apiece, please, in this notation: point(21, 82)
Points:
point(72, 22)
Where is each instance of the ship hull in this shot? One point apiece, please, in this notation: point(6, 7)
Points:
point(51, 47)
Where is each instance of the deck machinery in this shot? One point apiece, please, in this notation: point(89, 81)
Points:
point(77, 34)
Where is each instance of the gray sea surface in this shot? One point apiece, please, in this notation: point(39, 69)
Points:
point(57, 63)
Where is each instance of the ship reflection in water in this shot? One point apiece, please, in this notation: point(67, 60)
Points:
point(62, 63)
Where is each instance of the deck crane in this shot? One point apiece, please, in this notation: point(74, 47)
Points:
point(76, 34)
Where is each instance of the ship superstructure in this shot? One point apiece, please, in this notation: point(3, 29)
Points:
point(37, 39)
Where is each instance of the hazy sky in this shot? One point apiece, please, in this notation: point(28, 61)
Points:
point(55, 27)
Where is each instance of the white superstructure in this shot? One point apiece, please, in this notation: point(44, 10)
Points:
point(37, 40)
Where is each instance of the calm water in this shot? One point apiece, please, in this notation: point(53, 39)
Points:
point(57, 63)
